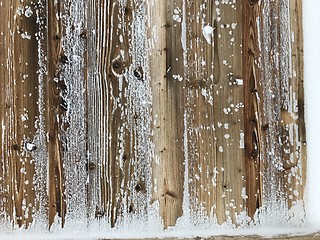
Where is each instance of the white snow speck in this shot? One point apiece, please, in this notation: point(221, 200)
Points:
point(239, 81)
point(30, 146)
point(220, 149)
point(28, 12)
point(25, 35)
point(24, 117)
point(207, 32)
point(234, 25)
point(241, 140)
point(177, 77)
point(244, 194)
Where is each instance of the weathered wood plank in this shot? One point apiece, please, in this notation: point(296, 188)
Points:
point(108, 92)
point(123, 109)
point(283, 130)
point(251, 76)
point(296, 178)
point(167, 73)
point(215, 113)
point(118, 132)
point(56, 107)
point(18, 70)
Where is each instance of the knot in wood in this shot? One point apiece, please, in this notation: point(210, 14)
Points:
point(118, 67)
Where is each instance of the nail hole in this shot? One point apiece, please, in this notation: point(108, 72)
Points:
point(99, 213)
point(254, 154)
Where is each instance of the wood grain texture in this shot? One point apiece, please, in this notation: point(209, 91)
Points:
point(56, 107)
point(252, 126)
point(166, 71)
point(215, 109)
point(118, 102)
point(282, 137)
point(152, 112)
point(18, 70)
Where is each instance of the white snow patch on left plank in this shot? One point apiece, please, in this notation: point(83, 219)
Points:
point(207, 32)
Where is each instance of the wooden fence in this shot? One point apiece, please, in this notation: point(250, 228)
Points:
point(118, 110)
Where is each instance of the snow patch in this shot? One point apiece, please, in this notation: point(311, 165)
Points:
point(207, 32)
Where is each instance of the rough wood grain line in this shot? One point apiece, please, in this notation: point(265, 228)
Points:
point(215, 101)
point(229, 113)
point(18, 109)
point(282, 149)
point(167, 80)
point(251, 75)
point(5, 112)
point(55, 110)
point(95, 132)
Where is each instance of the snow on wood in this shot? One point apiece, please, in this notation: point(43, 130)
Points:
point(154, 113)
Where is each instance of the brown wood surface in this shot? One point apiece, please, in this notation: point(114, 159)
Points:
point(214, 110)
point(252, 125)
point(166, 64)
point(126, 111)
point(19, 95)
